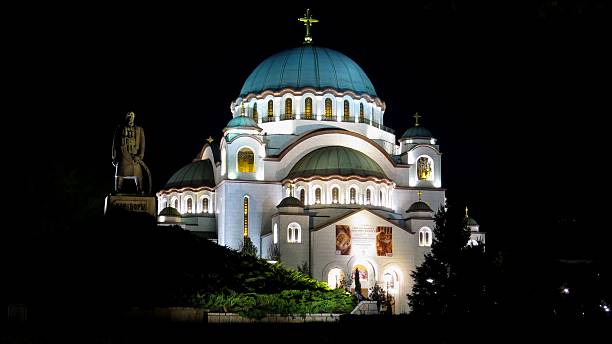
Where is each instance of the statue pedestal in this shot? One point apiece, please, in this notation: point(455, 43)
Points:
point(131, 202)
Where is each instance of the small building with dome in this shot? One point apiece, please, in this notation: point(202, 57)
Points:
point(306, 167)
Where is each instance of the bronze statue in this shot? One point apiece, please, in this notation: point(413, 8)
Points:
point(128, 151)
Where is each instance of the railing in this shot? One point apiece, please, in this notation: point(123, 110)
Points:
point(350, 119)
point(330, 118)
point(387, 129)
point(287, 117)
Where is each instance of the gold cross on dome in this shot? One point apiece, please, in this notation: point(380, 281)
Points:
point(416, 116)
point(466, 211)
point(210, 139)
point(308, 20)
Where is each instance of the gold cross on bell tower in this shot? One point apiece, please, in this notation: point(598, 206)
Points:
point(420, 193)
point(416, 116)
point(308, 20)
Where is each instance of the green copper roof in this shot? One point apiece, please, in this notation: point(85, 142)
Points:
point(308, 66)
point(336, 160)
point(417, 132)
point(196, 174)
point(241, 122)
point(169, 211)
point(419, 206)
point(471, 222)
point(290, 202)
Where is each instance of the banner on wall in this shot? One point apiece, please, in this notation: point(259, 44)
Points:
point(364, 240)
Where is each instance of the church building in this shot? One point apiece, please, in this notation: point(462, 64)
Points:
point(308, 171)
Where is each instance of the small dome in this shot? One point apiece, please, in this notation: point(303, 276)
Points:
point(308, 66)
point(169, 211)
point(196, 174)
point(419, 206)
point(290, 202)
point(417, 132)
point(471, 222)
point(242, 122)
point(336, 161)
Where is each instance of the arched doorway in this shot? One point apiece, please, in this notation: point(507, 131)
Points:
point(335, 278)
point(364, 275)
point(391, 286)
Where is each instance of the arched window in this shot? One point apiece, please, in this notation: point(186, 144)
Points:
point(308, 108)
point(255, 114)
point(303, 196)
point(347, 111)
point(328, 109)
point(353, 195)
point(163, 203)
point(288, 108)
point(205, 205)
point(380, 199)
point(275, 233)
point(335, 193)
point(245, 205)
point(246, 160)
point(189, 205)
point(175, 205)
point(294, 233)
point(270, 109)
point(424, 168)
point(425, 236)
point(368, 199)
point(318, 196)
point(361, 113)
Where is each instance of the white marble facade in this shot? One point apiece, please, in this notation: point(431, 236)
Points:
point(274, 143)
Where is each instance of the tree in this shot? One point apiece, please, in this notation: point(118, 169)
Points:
point(358, 286)
point(274, 253)
point(247, 248)
point(452, 278)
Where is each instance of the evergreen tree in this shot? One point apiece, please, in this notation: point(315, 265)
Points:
point(451, 279)
point(248, 248)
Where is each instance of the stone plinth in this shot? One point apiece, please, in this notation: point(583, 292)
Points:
point(131, 202)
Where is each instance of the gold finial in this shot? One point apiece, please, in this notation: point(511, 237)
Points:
point(416, 116)
point(308, 20)
point(466, 212)
point(210, 139)
point(420, 193)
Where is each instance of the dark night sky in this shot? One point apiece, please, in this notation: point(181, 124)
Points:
point(515, 95)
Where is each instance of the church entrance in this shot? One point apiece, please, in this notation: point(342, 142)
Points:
point(391, 287)
point(364, 276)
point(336, 278)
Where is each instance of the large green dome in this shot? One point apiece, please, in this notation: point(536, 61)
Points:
point(308, 66)
point(336, 161)
point(196, 174)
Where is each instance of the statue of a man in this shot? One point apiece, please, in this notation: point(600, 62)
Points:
point(128, 151)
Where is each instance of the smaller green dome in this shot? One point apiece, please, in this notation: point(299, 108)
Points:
point(417, 132)
point(290, 202)
point(419, 206)
point(169, 211)
point(242, 122)
point(471, 222)
point(196, 174)
point(336, 161)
